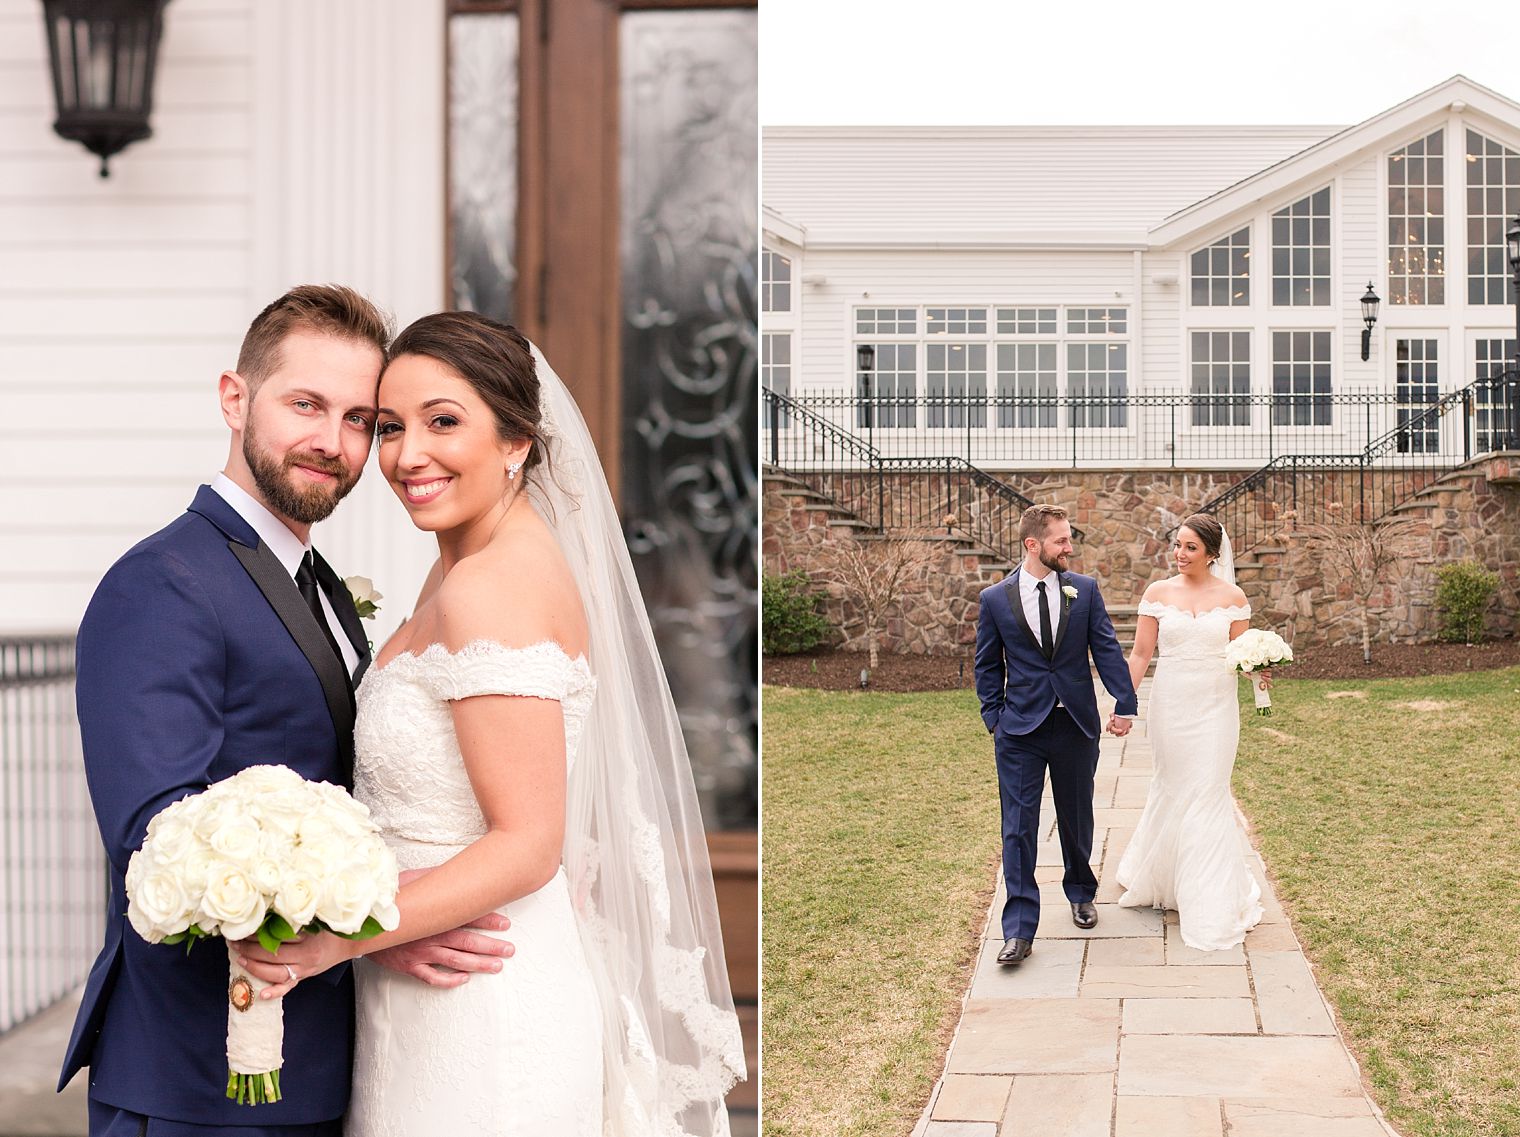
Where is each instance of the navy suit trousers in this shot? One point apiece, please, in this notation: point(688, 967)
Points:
point(108, 1121)
point(1058, 745)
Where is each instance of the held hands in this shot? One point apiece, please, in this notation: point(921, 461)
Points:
point(442, 960)
point(1119, 727)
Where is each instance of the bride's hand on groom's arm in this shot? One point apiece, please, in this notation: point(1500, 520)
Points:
point(448, 958)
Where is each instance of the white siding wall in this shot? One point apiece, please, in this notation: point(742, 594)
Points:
point(285, 150)
point(1362, 236)
point(825, 350)
point(1163, 362)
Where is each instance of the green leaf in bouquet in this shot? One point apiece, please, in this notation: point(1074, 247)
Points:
point(267, 939)
point(369, 929)
point(187, 937)
point(280, 928)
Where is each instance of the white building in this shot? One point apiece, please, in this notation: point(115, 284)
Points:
point(1046, 296)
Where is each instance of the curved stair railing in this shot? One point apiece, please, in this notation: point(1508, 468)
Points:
point(920, 493)
point(1388, 471)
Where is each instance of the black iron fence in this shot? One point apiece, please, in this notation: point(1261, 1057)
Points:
point(52, 873)
point(1298, 489)
point(919, 493)
point(1156, 429)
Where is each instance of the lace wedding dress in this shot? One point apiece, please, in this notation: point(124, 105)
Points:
point(517, 1053)
point(1188, 853)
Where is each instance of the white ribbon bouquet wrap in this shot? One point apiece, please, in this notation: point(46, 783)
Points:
point(263, 852)
point(1252, 650)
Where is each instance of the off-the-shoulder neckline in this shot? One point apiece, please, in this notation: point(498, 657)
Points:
point(1246, 608)
point(438, 649)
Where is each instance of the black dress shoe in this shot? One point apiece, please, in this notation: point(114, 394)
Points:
point(1084, 915)
point(1014, 951)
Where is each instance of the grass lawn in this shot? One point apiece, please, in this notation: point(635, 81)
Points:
point(1389, 815)
point(1388, 812)
point(880, 815)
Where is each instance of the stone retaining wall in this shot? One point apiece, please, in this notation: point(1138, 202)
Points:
point(1125, 517)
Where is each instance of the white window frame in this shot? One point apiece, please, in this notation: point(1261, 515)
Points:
point(993, 339)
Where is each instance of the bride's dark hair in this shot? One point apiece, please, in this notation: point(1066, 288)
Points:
point(492, 357)
point(1209, 531)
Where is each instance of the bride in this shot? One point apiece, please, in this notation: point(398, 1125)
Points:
point(517, 740)
point(1187, 852)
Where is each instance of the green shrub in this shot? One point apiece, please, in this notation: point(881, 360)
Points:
point(789, 617)
point(1464, 590)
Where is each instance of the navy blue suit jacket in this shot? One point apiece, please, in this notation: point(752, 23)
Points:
point(1018, 686)
point(197, 658)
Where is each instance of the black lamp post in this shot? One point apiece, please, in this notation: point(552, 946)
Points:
point(1511, 393)
point(103, 54)
point(1370, 302)
point(865, 363)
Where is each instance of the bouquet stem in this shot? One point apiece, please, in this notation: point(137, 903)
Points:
point(255, 1037)
point(1263, 696)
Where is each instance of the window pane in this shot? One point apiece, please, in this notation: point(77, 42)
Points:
point(1220, 272)
point(1491, 189)
point(1301, 251)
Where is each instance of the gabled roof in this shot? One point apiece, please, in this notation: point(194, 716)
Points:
point(1030, 186)
point(1313, 164)
point(1065, 187)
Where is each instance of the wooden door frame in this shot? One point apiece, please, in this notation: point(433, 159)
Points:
point(569, 276)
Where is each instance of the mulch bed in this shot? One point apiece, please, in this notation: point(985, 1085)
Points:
point(840, 670)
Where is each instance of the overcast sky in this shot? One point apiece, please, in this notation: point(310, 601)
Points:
point(1103, 63)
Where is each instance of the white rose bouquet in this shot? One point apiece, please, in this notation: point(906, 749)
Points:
point(263, 852)
point(1254, 649)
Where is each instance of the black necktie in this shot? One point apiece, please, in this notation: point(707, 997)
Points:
point(306, 581)
point(1045, 636)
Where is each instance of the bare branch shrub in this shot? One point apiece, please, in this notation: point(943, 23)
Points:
point(874, 573)
point(1359, 555)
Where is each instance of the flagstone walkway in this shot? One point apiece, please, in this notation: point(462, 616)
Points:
point(1124, 1031)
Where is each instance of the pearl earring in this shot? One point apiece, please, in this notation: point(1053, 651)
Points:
point(512, 468)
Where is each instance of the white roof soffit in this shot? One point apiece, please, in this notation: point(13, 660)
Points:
point(1315, 164)
point(776, 227)
point(988, 241)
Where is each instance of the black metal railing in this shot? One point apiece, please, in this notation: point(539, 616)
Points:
point(890, 493)
point(52, 874)
point(1157, 429)
point(1367, 484)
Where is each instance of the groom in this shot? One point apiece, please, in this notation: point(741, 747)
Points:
point(1034, 634)
point(224, 641)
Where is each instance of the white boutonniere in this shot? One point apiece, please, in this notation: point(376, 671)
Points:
point(1069, 591)
point(362, 590)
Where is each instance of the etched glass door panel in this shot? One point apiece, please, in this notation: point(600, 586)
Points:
point(689, 183)
point(482, 165)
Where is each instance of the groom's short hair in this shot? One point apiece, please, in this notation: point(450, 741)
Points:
point(329, 309)
point(1036, 521)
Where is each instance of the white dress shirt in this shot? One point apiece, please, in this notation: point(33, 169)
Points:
point(1031, 601)
point(286, 547)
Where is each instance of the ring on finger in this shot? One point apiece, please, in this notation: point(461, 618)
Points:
point(291, 972)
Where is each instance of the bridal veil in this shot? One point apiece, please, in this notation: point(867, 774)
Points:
point(634, 850)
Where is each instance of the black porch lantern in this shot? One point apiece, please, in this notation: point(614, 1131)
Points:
point(865, 358)
point(1370, 302)
point(103, 54)
point(1512, 241)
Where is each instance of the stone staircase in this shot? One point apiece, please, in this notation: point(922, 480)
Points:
point(806, 507)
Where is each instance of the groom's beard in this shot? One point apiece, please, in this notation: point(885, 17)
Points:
point(1056, 562)
point(306, 505)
